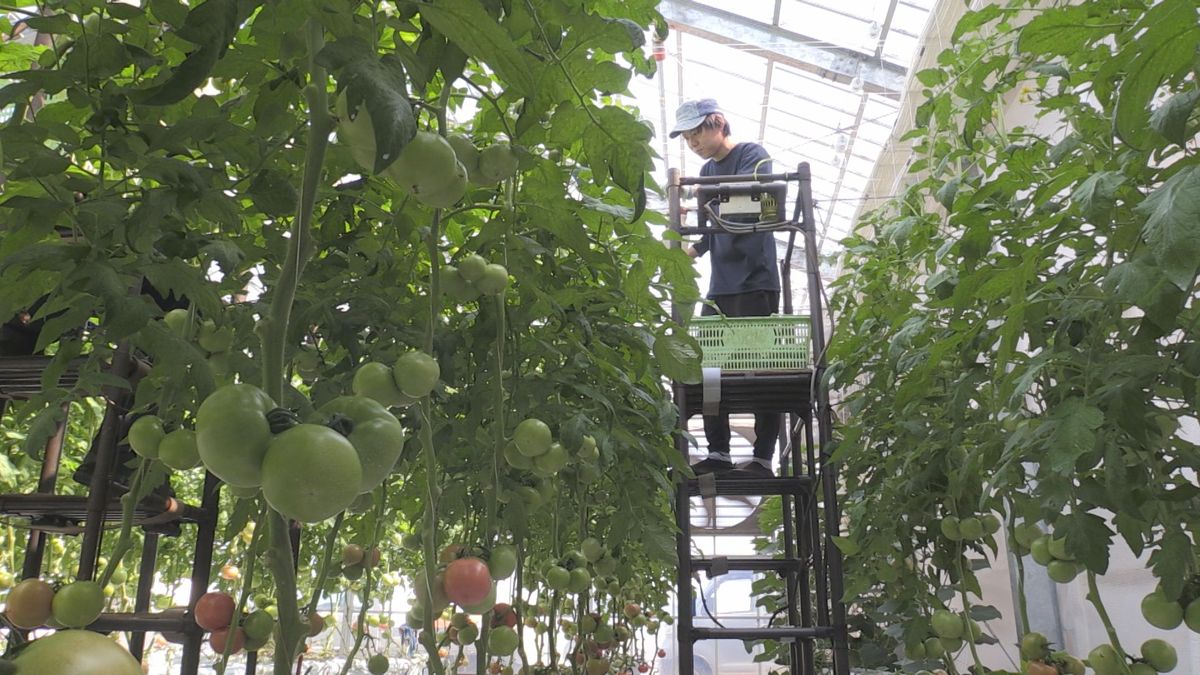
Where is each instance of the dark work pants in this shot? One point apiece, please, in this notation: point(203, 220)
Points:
point(766, 425)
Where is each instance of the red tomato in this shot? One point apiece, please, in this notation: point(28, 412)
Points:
point(468, 581)
point(504, 615)
point(218, 638)
point(214, 611)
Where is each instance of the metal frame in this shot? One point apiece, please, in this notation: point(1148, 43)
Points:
point(811, 558)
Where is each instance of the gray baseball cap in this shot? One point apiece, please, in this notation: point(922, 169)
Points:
point(692, 113)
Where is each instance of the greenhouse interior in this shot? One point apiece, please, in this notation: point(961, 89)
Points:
point(681, 337)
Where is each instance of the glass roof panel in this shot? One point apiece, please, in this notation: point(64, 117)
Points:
point(808, 115)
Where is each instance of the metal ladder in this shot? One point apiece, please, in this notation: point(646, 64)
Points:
point(811, 566)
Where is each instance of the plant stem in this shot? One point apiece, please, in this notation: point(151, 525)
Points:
point(125, 539)
point(1093, 597)
point(361, 633)
point(247, 586)
point(330, 540)
point(274, 337)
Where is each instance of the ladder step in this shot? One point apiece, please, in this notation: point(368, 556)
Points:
point(754, 564)
point(763, 633)
point(169, 621)
point(767, 392)
point(750, 487)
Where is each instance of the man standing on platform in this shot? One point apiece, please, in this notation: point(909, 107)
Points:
point(745, 272)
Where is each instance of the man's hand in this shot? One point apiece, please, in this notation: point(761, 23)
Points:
point(691, 251)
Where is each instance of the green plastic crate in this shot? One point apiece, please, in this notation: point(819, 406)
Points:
point(779, 342)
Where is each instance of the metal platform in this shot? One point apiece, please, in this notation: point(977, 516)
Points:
point(66, 514)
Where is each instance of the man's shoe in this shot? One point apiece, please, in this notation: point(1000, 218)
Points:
point(710, 465)
point(751, 469)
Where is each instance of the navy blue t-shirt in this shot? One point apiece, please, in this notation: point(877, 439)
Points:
point(741, 263)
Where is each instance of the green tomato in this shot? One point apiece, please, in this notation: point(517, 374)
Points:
point(606, 565)
point(145, 434)
point(552, 461)
point(1192, 616)
point(456, 287)
point(1025, 533)
point(1105, 660)
point(502, 641)
point(502, 562)
point(1062, 571)
point(78, 604)
point(472, 267)
point(558, 578)
point(950, 529)
point(1161, 612)
point(374, 380)
point(947, 624)
point(179, 322)
point(991, 524)
point(934, 648)
point(1040, 550)
point(532, 437)
point(516, 459)
point(467, 153)
point(1058, 548)
point(214, 339)
point(232, 433)
point(447, 194)
point(377, 436)
point(494, 280)
point(1034, 646)
point(1160, 655)
point(971, 529)
point(76, 651)
point(592, 549)
point(416, 374)
point(579, 580)
point(179, 450)
point(258, 625)
point(426, 163)
point(497, 162)
point(311, 473)
point(377, 664)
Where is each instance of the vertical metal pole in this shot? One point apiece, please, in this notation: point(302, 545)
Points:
point(106, 455)
point(35, 547)
point(805, 526)
point(206, 531)
point(683, 541)
point(141, 603)
point(824, 422)
point(814, 533)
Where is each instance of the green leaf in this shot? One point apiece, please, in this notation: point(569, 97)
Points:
point(273, 193)
point(972, 21)
point(378, 85)
point(1172, 227)
point(1088, 539)
point(1073, 424)
point(1170, 562)
point(945, 194)
point(1167, 43)
point(847, 546)
point(678, 356)
point(1060, 31)
point(931, 77)
point(44, 425)
point(1170, 119)
point(1097, 195)
point(467, 24)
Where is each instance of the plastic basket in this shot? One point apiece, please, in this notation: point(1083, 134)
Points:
point(779, 342)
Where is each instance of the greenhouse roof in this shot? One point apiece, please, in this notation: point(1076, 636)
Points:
point(814, 81)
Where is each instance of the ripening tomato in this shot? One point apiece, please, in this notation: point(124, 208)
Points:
point(214, 611)
point(218, 639)
point(467, 581)
point(29, 603)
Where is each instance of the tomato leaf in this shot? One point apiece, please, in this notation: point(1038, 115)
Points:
point(1097, 195)
point(1072, 426)
point(1172, 226)
point(378, 85)
point(467, 24)
point(1088, 539)
point(1171, 561)
point(678, 356)
point(1167, 43)
point(1170, 119)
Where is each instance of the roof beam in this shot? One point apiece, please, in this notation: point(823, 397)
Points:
point(783, 46)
